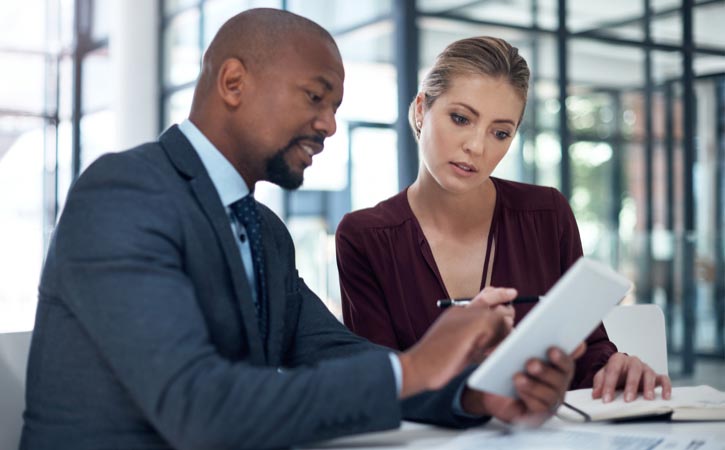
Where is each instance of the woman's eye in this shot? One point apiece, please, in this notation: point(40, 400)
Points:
point(459, 119)
point(501, 135)
point(314, 98)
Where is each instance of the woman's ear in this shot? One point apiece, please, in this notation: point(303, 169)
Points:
point(231, 81)
point(419, 110)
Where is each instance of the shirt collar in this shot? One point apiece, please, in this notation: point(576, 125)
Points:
point(229, 184)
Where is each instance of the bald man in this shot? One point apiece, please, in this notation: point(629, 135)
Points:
point(170, 311)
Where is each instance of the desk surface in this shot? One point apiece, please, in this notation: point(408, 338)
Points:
point(551, 435)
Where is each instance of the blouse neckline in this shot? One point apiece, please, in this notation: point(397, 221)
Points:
point(428, 252)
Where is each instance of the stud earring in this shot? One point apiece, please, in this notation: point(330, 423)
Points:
point(418, 124)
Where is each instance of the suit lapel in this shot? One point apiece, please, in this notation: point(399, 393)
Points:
point(184, 157)
point(275, 293)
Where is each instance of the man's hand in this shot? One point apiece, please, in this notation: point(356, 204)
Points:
point(459, 337)
point(540, 388)
point(631, 373)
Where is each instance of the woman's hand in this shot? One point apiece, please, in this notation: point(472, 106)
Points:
point(630, 373)
point(498, 303)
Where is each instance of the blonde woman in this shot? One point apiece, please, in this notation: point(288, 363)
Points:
point(457, 229)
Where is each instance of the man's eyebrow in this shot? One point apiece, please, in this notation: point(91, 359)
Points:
point(324, 82)
point(328, 87)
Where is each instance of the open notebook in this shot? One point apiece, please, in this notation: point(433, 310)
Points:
point(687, 403)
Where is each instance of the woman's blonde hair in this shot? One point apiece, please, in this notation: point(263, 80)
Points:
point(483, 55)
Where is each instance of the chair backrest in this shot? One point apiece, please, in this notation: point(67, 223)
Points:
point(639, 330)
point(14, 349)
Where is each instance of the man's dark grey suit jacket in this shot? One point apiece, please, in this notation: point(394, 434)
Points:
point(146, 335)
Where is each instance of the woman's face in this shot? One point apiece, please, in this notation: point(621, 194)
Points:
point(467, 130)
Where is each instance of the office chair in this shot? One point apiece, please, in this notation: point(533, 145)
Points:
point(639, 330)
point(14, 348)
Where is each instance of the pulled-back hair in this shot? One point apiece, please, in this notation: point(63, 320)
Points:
point(482, 55)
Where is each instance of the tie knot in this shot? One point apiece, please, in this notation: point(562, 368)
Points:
point(246, 211)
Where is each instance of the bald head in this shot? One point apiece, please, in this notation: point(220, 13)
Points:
point(256, 37)
point(270, 86)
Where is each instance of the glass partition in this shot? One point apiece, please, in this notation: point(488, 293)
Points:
point(622, 124)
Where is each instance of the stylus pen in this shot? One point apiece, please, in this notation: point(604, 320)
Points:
point(445, 303)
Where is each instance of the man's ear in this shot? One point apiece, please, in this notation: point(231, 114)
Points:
point(231, 81)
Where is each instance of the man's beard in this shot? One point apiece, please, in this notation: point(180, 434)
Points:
point(279, 171)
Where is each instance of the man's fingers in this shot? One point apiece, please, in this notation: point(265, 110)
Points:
point(538, 398)
point(547, 382)
point(544, 383)
point(560, 360)
point(457, 338)
point(534, 412)
point(555, 377)
point(513, 412)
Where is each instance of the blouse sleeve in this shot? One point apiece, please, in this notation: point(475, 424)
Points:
point(599, 347)
point(363, 302)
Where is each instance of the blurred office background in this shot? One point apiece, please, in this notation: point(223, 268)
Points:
point(626, 116)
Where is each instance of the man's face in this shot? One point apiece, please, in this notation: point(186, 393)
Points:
point(291, 110)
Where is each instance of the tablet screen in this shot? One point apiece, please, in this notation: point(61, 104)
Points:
point(563, 318)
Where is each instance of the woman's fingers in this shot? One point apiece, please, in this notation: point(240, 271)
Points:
point(493, 296)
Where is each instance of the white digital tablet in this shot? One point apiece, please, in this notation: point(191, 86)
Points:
point(563, 318)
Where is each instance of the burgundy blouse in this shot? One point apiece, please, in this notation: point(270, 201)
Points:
point(390, 282)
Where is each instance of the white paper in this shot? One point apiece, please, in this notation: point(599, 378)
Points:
point(564, 439)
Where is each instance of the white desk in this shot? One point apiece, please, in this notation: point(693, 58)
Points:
point(414, 436)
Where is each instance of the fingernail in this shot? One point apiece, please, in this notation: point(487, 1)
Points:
point(521, 381)
point(628, 397)
point(649, 395)
point(556, 355)
point(535, 368)
point(607, 398)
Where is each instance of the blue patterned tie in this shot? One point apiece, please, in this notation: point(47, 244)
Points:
point(247, 214)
